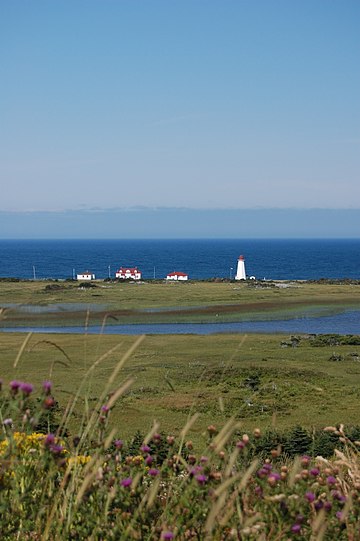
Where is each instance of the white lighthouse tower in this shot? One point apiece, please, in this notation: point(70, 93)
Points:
point(240, 273)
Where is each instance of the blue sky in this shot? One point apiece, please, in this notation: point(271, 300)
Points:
point(196, 104)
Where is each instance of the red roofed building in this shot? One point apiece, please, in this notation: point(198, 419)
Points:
point(177, 276)
point(125, 273)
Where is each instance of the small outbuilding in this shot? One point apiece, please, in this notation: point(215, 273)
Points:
point(125, 273)
point(86, 276)
point(178, 276)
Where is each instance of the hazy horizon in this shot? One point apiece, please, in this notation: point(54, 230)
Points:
point(181, 223)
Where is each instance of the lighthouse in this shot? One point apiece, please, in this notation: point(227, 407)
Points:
point(240, 273)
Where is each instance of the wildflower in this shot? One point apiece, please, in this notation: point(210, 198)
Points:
point(257, 432)
point(314, 472)
point(118, 444)
point(105, 408)
point(8, 422)
point(296, 528)
point(201, 479)
point(310, 496)
point(156, 438)
point(49, 440)
point(195, 470)
point(318, 505)
point(331, 480)
point(240, 444)
point(170, 440)
point(48, 402)
point(189, 444)
point(327, 506)
point(126, 482)
point(273, 478)
point(149, 460)
point(26, 388)
point(145, 449)
point(56, 449)
point(47, 385)
point(153, 472)
point(167, 535)
point(203, 459)
point(212, 429)
point(340, 515)
point(305, 460)
point(14, 386)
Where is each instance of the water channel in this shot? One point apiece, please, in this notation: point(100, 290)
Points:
point(347, 322)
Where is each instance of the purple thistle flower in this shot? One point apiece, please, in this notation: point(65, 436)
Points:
point(240, 444)
point(47, 385)
point(204, 459)
point(296, 528)
point(327, 506)
point(340, 515)
point(105, 408)
point(145, 449)
point(331, 480)
point(56, 449)
point(201, 479)
point(26, 389)
point(167, 535)
point(8, 422)
point(196, 469)
point(153, 472)
point(314, 472)
point(336, 494)
point(310, 496)
point(126, 482)
point(274, 476)
point(49, 440)
point(149, 460)
point(118, 444)
point(14, 386)
point(318, 505)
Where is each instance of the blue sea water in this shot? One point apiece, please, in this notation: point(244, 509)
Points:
point(282, 259)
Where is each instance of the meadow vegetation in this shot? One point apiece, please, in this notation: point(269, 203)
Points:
point(179, 436)
point(90, 483)
point(156, 302)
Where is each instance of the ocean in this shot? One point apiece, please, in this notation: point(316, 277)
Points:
point(275, 259)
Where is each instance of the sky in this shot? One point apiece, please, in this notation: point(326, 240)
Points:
point(195, 104)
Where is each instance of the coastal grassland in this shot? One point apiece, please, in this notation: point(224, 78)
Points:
point(156, 302)
point(260, 380)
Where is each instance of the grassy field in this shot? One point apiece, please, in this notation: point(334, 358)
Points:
point(258, 379)
point(155, 302)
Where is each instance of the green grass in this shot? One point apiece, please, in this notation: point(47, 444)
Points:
point(176, 376)
point(186, 302)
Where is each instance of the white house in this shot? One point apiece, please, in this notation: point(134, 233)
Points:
point(125, 273)
point(177, 276)
point(86, 276)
